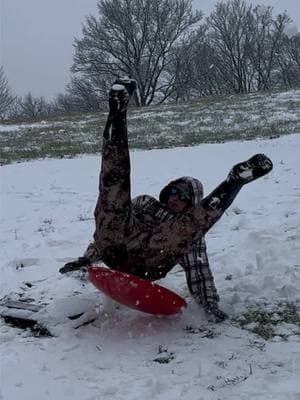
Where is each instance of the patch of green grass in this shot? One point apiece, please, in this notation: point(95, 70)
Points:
point(209, 120)
point(264, 323)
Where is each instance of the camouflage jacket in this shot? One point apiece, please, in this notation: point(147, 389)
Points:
point(147, 212)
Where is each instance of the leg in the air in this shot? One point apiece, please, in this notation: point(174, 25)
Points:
point(195, 222)
point(217, 202)
point(112, 212)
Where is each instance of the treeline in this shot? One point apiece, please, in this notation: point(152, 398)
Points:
point(14, 107)
point(174, 54)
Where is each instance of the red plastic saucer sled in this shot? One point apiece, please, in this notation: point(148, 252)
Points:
point(135, 292)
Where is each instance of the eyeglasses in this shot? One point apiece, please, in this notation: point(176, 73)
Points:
point(174, 191)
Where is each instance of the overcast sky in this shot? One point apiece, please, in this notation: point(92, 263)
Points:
point(36, 39)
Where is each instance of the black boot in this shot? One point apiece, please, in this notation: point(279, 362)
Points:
point(247, 171)
point(75, 265)
point(119, 95)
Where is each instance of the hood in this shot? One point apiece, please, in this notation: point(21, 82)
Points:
point(192, 187)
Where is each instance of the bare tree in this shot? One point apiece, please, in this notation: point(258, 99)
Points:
point(85, 96)
point(247, 42)
point(7, 97)
point(288, 72)
point(29, 106)
point(14, 111)
point(135, 38)
point(34, 107)
point(63, 104)
point(198, 75)
point(295, 48)
point(268, 42)
point(179, 69)
point(231, 39)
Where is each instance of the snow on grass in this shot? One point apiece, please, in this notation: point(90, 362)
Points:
point(208, 120)
point(22, 126)
point(46, 220)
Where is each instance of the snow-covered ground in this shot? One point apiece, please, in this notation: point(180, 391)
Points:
point(16, 127)
point(47, 219)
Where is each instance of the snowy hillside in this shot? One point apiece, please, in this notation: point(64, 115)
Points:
point(102, 351)
point(208, 120)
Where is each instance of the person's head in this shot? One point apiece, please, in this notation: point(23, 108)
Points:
point(177, 200)
point(181, 193)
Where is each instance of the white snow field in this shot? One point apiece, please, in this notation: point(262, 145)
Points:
point(47, 219)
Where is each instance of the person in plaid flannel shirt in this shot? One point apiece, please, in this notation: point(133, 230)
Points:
point(148, 237)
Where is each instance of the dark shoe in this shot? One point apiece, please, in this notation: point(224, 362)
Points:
point(247, 171)
point(76, 265)
point(120, 94)
point(130, 84)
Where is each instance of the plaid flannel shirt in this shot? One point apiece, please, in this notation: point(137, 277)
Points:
point(199, 276)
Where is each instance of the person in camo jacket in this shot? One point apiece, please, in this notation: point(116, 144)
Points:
point(146, 237)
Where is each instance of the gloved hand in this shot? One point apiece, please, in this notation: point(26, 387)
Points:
point(215, 314)
point(75, 265)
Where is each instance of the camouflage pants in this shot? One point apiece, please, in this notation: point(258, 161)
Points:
point(113, 208)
